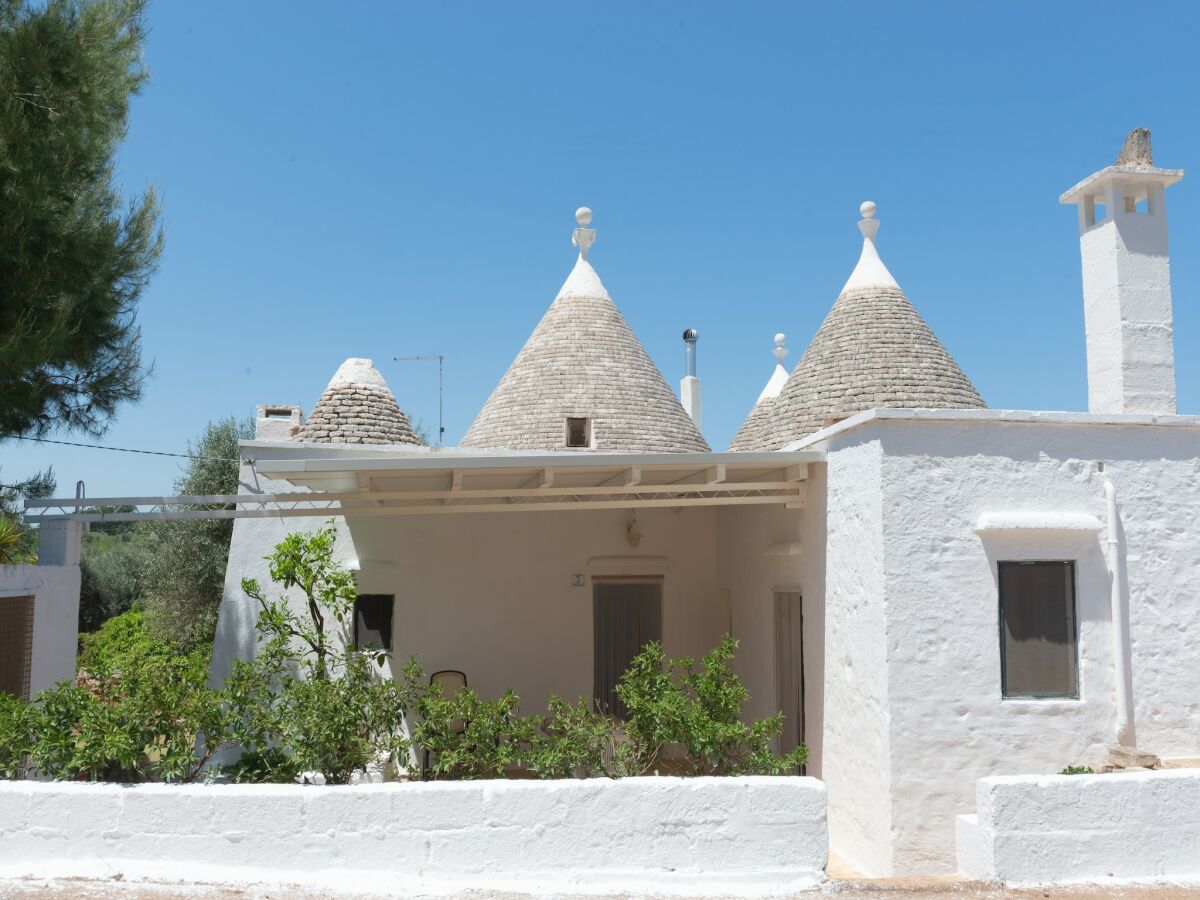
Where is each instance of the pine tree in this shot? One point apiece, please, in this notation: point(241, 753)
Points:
point(74, 256)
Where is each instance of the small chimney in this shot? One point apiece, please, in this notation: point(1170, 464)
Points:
point(689, 388)
point(276, 421)
point(1127, 282)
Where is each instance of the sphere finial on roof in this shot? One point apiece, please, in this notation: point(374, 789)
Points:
point(869, 225)
point(780, 350)
point(583, 237)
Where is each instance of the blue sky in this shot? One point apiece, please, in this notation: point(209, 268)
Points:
point(398, 178)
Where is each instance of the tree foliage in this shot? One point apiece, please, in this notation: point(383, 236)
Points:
point(185, 560)
point(74, 256)
point(18, 542)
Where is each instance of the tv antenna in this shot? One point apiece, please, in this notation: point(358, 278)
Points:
point(441, 359)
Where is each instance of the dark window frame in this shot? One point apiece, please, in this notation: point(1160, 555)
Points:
point(1073, 605)
point(385, 634)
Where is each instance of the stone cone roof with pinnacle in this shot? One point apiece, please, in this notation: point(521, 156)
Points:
point(583, 361)
point(357, 408)
point(756, 429)
point(873, 350)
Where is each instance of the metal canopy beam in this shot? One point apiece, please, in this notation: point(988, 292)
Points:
point(450, 487)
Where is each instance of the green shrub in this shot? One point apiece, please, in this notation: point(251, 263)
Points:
point(307, 704)
point(18, 733)
point(572, 742)
point(671, 704)
point(1077, 770)
point(467, 737)
point(136, 712)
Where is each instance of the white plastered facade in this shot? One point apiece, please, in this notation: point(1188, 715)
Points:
point(913, 708)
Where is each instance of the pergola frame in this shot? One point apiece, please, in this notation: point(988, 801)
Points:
point(435, 484)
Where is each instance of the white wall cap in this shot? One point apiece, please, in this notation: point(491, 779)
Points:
point(870, 271)
point(358, 371)
point(1039, 520)
point(583, 282)
point(1095, 182)
point(818, 439)
point(774, 385)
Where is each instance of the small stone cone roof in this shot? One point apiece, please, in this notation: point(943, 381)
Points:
point(583, 361)
point(357, 408)
point(873, 350)
point(756, 429)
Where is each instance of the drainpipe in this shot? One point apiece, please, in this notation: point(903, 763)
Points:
point(1122, 652)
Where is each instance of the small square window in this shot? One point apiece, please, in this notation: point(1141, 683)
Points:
point(579, 432)
point(373, 621)
point(1039, 654)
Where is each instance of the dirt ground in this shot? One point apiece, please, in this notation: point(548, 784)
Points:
point(890, 889)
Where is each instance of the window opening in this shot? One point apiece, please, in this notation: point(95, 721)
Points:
point(1038, 629)
point(579, 432)
point(373, 621)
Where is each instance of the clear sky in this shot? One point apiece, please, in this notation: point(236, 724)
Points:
point(383, 179)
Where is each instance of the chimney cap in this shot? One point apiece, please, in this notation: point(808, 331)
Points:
point(691, 335)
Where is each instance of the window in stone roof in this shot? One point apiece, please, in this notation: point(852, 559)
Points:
point(579, 432)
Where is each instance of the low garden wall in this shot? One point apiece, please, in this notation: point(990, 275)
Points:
point(1062, 828)
point(750, 835)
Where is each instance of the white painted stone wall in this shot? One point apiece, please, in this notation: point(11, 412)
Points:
point(762, 550)
point(1031, 829)
point(749, 836)
point(494, 594)
point(856, 739)
point(912, 630)
point(55, 590)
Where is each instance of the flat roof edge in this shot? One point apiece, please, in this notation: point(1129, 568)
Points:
point(987, 417)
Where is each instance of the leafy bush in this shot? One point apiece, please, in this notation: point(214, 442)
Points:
point(573, 742)
point(137, 712)
point(141, 710)
point(19, 732)
point(306, 703)
point(468, 738)
point(1078, 770)
point(672, 704)
point(110, 568)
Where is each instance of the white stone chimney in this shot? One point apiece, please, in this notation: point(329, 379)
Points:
point(689, 388)
point(1127, 282)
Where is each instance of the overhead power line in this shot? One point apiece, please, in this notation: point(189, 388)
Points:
point(128, 449)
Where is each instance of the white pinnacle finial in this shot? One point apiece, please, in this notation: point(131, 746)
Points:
point(780, 350)
point(869, 226)
point(583, 237)
point(870, 270)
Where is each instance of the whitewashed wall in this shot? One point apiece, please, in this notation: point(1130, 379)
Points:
point(748, 836)
point(1063, 828)
point(925, 631)
point(856, 739)
point(762, 550)
point(493, 594)
point(55, 590)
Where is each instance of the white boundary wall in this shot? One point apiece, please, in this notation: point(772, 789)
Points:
point(753, 835)
point(1030, 829)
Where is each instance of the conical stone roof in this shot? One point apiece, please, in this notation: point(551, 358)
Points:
point(756, 429)
point(583, 361)
point(873, 350)
point(357, 408)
